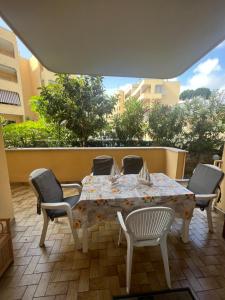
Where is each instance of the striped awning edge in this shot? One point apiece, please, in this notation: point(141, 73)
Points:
point(8, 97)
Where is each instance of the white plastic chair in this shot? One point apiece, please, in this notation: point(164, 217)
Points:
point(146, 227)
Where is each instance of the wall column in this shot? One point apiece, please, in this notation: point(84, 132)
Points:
point(6, 207)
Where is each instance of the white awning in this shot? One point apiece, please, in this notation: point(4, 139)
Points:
point(8, 97)
point(141, 38)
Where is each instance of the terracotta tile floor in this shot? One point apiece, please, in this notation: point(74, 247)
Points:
point(60, 272)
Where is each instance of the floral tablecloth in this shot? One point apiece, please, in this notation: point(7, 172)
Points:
point(101, 199)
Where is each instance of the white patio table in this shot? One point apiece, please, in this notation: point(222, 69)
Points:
point(101, 199)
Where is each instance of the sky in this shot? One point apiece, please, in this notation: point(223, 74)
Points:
point(207, 72)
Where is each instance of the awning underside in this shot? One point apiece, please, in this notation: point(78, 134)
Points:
point(141, 38)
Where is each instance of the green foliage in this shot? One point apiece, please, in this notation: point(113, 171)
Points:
point(187, 94)
point(200, 92)
point(130, 125)
point(206, 123)
point(197, 126)
point(165, 124)
point(79, 101)
point(2, 121)
point(34, 134)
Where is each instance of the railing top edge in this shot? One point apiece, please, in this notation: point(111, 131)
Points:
point(95, 148)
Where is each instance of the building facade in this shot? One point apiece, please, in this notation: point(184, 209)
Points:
point(20, 79)
point(11, 94)
point(149, 91)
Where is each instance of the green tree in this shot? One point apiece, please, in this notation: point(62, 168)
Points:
point(206, 123)
point(187, 94)
point(165, 124)
point(130, 124)
point(80, 103)
point(200, 92)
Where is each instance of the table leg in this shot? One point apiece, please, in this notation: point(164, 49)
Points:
point(85, 239)
point(185, 230)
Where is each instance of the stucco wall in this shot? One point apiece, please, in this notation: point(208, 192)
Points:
point(6, 207)
point(27, 88)
point(72, 164)
point(8, 85)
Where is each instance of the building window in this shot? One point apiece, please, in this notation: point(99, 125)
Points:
point(8, 97)
point(159, 89)
point(6, 47)
point(8, 73)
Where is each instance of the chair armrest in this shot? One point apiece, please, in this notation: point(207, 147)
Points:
point(71, 185)
point(183, 182)
point(59, 205)
point(205, 196)
point(121, 221)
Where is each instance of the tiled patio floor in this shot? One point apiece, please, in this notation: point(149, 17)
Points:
point(60, 272)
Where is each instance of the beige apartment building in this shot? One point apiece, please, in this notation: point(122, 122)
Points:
point(11, 94)
point(20, 79)
point(149, 91)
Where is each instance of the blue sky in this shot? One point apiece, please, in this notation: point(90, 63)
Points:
point(207, 72)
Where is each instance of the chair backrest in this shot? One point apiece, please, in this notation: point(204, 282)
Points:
point(205, 179)
point(102, 165)
point(132, 164)
point(149, 223)
point(46, 186)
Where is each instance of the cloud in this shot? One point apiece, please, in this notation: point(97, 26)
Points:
point(113, 91)
point(208, 66)
point(125, 87)
point(110, 91)
point(173, 79)
point(206, 74)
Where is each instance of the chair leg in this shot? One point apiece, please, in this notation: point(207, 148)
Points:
point(209, 217)
point(45, 227)
point(129, 263)
point(163, 246)
point(120, 236)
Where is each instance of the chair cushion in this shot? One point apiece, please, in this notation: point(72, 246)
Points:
point(205, 179)
point(56, 213)
point(47, 186)
point(132, 164)
point(202, 203)
point(102, 165)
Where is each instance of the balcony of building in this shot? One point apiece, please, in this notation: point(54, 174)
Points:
point(8, 73)
point(59, 271)
point(115, 40)
point(6, 48)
